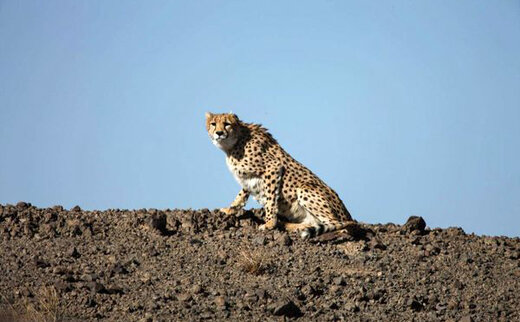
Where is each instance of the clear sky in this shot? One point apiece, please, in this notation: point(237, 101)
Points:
point(403, 107)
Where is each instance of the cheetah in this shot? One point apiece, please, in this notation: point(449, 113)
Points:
point(292, 196)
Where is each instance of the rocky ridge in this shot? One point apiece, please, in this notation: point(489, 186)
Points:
point(159, 265)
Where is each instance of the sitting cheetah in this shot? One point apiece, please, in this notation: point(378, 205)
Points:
point(291, 194)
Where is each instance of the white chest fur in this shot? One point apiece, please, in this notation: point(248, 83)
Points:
point(249, 183)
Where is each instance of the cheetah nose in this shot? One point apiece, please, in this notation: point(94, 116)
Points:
point(219, 133)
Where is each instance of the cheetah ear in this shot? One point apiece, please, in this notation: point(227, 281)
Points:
point(234, 116)
point(208, 115)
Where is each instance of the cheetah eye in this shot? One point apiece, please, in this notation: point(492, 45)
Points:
point(226, 124)
point(213, 124)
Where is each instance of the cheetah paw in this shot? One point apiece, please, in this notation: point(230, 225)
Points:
point(268, 225)
point(229, 211)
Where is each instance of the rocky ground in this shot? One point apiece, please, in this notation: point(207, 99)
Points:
point(161, 265)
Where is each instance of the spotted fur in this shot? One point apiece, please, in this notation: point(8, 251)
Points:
point(292, 196)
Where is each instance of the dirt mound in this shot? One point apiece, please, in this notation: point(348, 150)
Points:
point(159, 265)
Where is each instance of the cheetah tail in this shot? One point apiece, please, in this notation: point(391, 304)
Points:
point(319, 229)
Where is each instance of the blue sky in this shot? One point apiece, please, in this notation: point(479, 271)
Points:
point(403, 107)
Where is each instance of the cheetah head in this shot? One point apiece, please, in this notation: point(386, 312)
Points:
point(223, 129)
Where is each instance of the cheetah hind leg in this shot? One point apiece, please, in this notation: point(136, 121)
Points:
point(316, 224)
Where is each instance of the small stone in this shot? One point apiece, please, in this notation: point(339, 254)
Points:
point(261, 293)
point(206, 315)
point(146, 278)
point(62, 286)
point(431, 250)
point(89, 277)
point(220, 302)
point(184, 297)
point(58, 270)
point(23, 205)
point(196, 289)
point(57, 208)
point(452, 305)
point(118, 268)
point(377, 244)
point(261, 241)
point(76, 208)
point(73, 252)
point(466, 318)
point(335, 289)
point(455, 231)
point(513, 254)
point(40, 263)
point(352, 307)
point(377, 294)
point(339, 280)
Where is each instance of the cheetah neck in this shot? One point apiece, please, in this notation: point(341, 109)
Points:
point(237, 147)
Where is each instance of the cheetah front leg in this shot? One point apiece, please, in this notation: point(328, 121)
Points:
point(273, 190)
point(239, 203)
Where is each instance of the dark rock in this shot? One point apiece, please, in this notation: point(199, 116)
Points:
point(415, 223)
point(114, 290)
point(459, 285)
point(96, 287)
point(157, 222)
point(352, 307)
point(90, 302)
point(195, 241)
point(285, 240)
point(22, 205)
point(415, 305)
point(287, 308)
point(62, 286)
